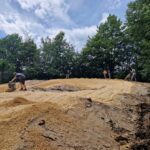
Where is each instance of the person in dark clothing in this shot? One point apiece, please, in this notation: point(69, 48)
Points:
point(109, 73)
point(20, 77)
point(68, 74)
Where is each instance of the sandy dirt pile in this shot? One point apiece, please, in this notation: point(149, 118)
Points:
point(76, 114)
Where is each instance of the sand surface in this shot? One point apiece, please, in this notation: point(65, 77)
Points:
point(75, 114)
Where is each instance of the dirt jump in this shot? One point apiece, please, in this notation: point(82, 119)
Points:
point(76, 114)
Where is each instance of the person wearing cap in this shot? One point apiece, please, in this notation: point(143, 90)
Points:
point(20, 77)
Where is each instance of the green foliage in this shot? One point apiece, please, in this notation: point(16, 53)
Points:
point(16, 55)
point(57, 56)
point(138, 25)
point(116, 46)
point(5, 70)
point(106, 48)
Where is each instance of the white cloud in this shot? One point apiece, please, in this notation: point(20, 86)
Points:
point(79, 36)
point(76, 36)
point(43, 8)
point(41, 18)
point(18, 25)
point(104, 18)
point(15, 22)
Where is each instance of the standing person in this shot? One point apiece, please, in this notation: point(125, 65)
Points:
point(133, 75)
point(68, 74)
point(105, 73)
point(109, 74)
point(20, 77)
point(128, 76)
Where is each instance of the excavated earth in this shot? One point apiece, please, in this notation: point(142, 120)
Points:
point(76, 114)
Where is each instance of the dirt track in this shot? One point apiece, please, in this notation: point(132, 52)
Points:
point(76, 114)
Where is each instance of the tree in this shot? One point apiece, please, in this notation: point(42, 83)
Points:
point(9, 54)
point(57, 56)
point(5, 67)
point(138, 26)
point(12, 45)
point(105, 49)
point(29, 58)
point(22, 56)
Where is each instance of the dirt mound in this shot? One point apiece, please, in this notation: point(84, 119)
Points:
point(95, 114)
point(3, 88)
point(16, 102)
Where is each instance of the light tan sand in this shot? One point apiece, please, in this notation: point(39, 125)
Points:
point(71, 120)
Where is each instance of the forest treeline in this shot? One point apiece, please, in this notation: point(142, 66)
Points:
point(116, 45)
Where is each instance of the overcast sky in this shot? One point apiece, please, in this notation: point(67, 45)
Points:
point(40, 18)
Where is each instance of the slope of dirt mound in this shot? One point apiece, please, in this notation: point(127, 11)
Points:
point(15, 102)
point(94, 115)
point(3, 88)
point(62, 87)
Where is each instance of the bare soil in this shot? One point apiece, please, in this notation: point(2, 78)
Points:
point(76, 114)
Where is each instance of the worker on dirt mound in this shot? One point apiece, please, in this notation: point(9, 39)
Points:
point(105, 73)
point(20, 77)
point(131, 76)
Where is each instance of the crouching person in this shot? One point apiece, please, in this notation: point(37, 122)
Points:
point(20, 77)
